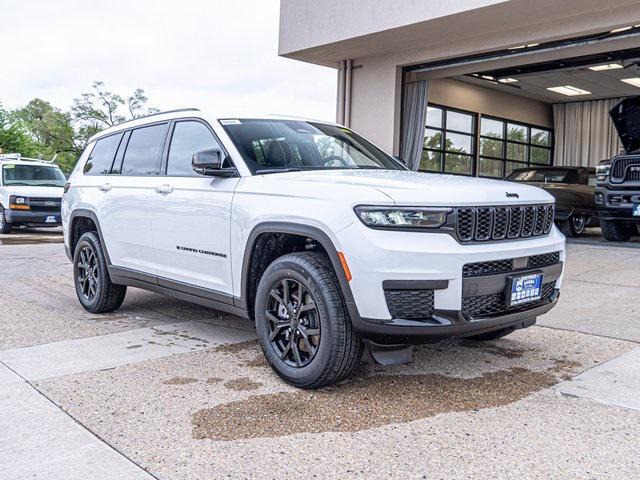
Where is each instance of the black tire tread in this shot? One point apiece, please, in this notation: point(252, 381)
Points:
point(615, 231)
point(6, 226)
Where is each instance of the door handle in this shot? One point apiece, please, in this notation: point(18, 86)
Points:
point(164, 189)
point(106, 187)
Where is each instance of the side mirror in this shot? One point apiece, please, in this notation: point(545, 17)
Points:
point(209, 162)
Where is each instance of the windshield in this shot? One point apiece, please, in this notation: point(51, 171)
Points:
point(541, 176)
point(270, 146)
point(33, 175)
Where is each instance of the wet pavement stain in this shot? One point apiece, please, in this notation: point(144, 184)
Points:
point(179, 381)
point(213, 380)
point(234, 348)
point(366, 403)
point(29, 241)
point(242, 384)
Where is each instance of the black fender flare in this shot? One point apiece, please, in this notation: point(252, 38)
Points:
point(86, 213)
point(311, 232)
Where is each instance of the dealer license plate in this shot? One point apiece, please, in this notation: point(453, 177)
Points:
point(525, 289)
point(50, 219)
point(636, 210)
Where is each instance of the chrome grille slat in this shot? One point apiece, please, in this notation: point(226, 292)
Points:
point(482, 224)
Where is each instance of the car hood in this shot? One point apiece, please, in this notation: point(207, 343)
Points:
point(406, 187)
point(30, 191)
point(626, 118)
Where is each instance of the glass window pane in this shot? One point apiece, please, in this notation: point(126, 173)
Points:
point(491, 128)
point(458, 143)
point(516, 132)
point(187, 139)
point(540, 137)
point(461, 122)
point(540, 155)
point(491, 148)
point(462, 164)
point(516, 151)
point(102, 155)
point(490, 168)
point(433, 139)
point(431, 161)
point(511, 166)
point(143, 151)
point(434, 117)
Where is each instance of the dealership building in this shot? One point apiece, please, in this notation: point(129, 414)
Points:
point(474, 87)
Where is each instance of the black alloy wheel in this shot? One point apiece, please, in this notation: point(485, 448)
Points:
point(87, 273)
point(294, 324)
point(578, 224)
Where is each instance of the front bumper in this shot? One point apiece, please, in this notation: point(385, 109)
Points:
point(438, 260)
point(29, 217)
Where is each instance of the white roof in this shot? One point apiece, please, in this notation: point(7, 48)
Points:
point(6, 159)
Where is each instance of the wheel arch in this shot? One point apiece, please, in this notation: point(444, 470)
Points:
point(77, 218)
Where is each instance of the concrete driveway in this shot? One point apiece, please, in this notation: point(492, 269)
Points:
point(165, 389)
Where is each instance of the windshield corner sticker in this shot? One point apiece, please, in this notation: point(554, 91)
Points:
point(230, 122)
point(201, 252)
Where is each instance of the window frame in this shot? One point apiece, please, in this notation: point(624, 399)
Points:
point(504, 140)
point(122, 135)
point(442, 151)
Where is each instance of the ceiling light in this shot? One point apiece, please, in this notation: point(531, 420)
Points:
point(517, 47)
point(488, 77)
point(532, 45)
point(635, 81)
point(507, 80)
point(569, 90)
point(607, 66)
point(621, 29)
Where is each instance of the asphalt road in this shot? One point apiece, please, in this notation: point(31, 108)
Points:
point(165, 389)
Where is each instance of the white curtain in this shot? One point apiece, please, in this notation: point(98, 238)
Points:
point(414, 115)
point(584, 133)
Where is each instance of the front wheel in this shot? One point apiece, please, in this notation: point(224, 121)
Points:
point(5, 227)
point(91, 277)
point(302, 322)
point(574, 226)
point(616, 231)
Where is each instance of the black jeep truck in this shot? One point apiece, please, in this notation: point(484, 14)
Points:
point(618, 180)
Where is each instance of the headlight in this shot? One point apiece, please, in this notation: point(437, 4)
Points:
point(602, 171)
point(18, 203)
point(402, 217)
point(19, 200)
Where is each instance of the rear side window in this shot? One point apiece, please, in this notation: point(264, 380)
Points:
point(188, 138)
point(144, 151)
point(102, 155)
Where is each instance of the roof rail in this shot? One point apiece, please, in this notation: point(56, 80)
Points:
point(19, 157)
point(189, 109)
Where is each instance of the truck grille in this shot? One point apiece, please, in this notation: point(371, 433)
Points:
point(45, 204)
point(495, 304)
point(621, 169)
point(410, 304)
point(507, 265)
point(481, 224)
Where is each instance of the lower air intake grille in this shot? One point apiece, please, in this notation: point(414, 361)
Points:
point(489, 305)
point(410, 304)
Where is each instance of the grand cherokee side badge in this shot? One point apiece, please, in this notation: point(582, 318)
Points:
point(512, 195)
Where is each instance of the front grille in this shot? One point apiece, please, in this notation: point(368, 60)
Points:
point(410, 304)
point(481, 224)
point(45, 204)
point(494, 304)
point(620, 169)
point(507, 265)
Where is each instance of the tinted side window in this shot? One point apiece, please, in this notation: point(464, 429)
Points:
point(188, 138)
point(144, 150)
point(102, 155)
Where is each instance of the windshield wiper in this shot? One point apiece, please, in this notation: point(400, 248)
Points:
point(278, 170)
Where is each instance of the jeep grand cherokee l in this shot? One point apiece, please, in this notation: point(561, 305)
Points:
point(323, 240)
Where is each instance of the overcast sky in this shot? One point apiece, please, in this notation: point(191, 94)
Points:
point(217, 54)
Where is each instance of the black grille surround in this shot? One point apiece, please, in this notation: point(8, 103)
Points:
point(38, 204)
point(500, 223)
point(410, 304)
point(495, 304)
point(622, 171)
point(509, 264)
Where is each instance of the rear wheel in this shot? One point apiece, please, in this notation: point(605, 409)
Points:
point(94, 288)
point(5, 227)
point(616, 231)
point(302, 322)
point(574, 226)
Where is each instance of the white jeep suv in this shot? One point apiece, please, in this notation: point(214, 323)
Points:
point(323, 240)
point(30, 192)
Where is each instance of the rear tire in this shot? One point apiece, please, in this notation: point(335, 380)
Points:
point(5, 227)
point(485, 337)
point(616, 231)
point(94, 288)
point(574, 226)
point(303, 324)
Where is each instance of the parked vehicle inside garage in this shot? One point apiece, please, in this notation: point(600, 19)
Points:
point(618, 179)
point(30, 192)
point(315, 234)
point(573, 189)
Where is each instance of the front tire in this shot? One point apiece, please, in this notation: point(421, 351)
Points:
point(5, 227)
point(616, 231)
point(303, 324)
point(574, 226)
point(94, 288)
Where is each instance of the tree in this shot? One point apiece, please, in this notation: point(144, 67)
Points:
point(14, 137)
